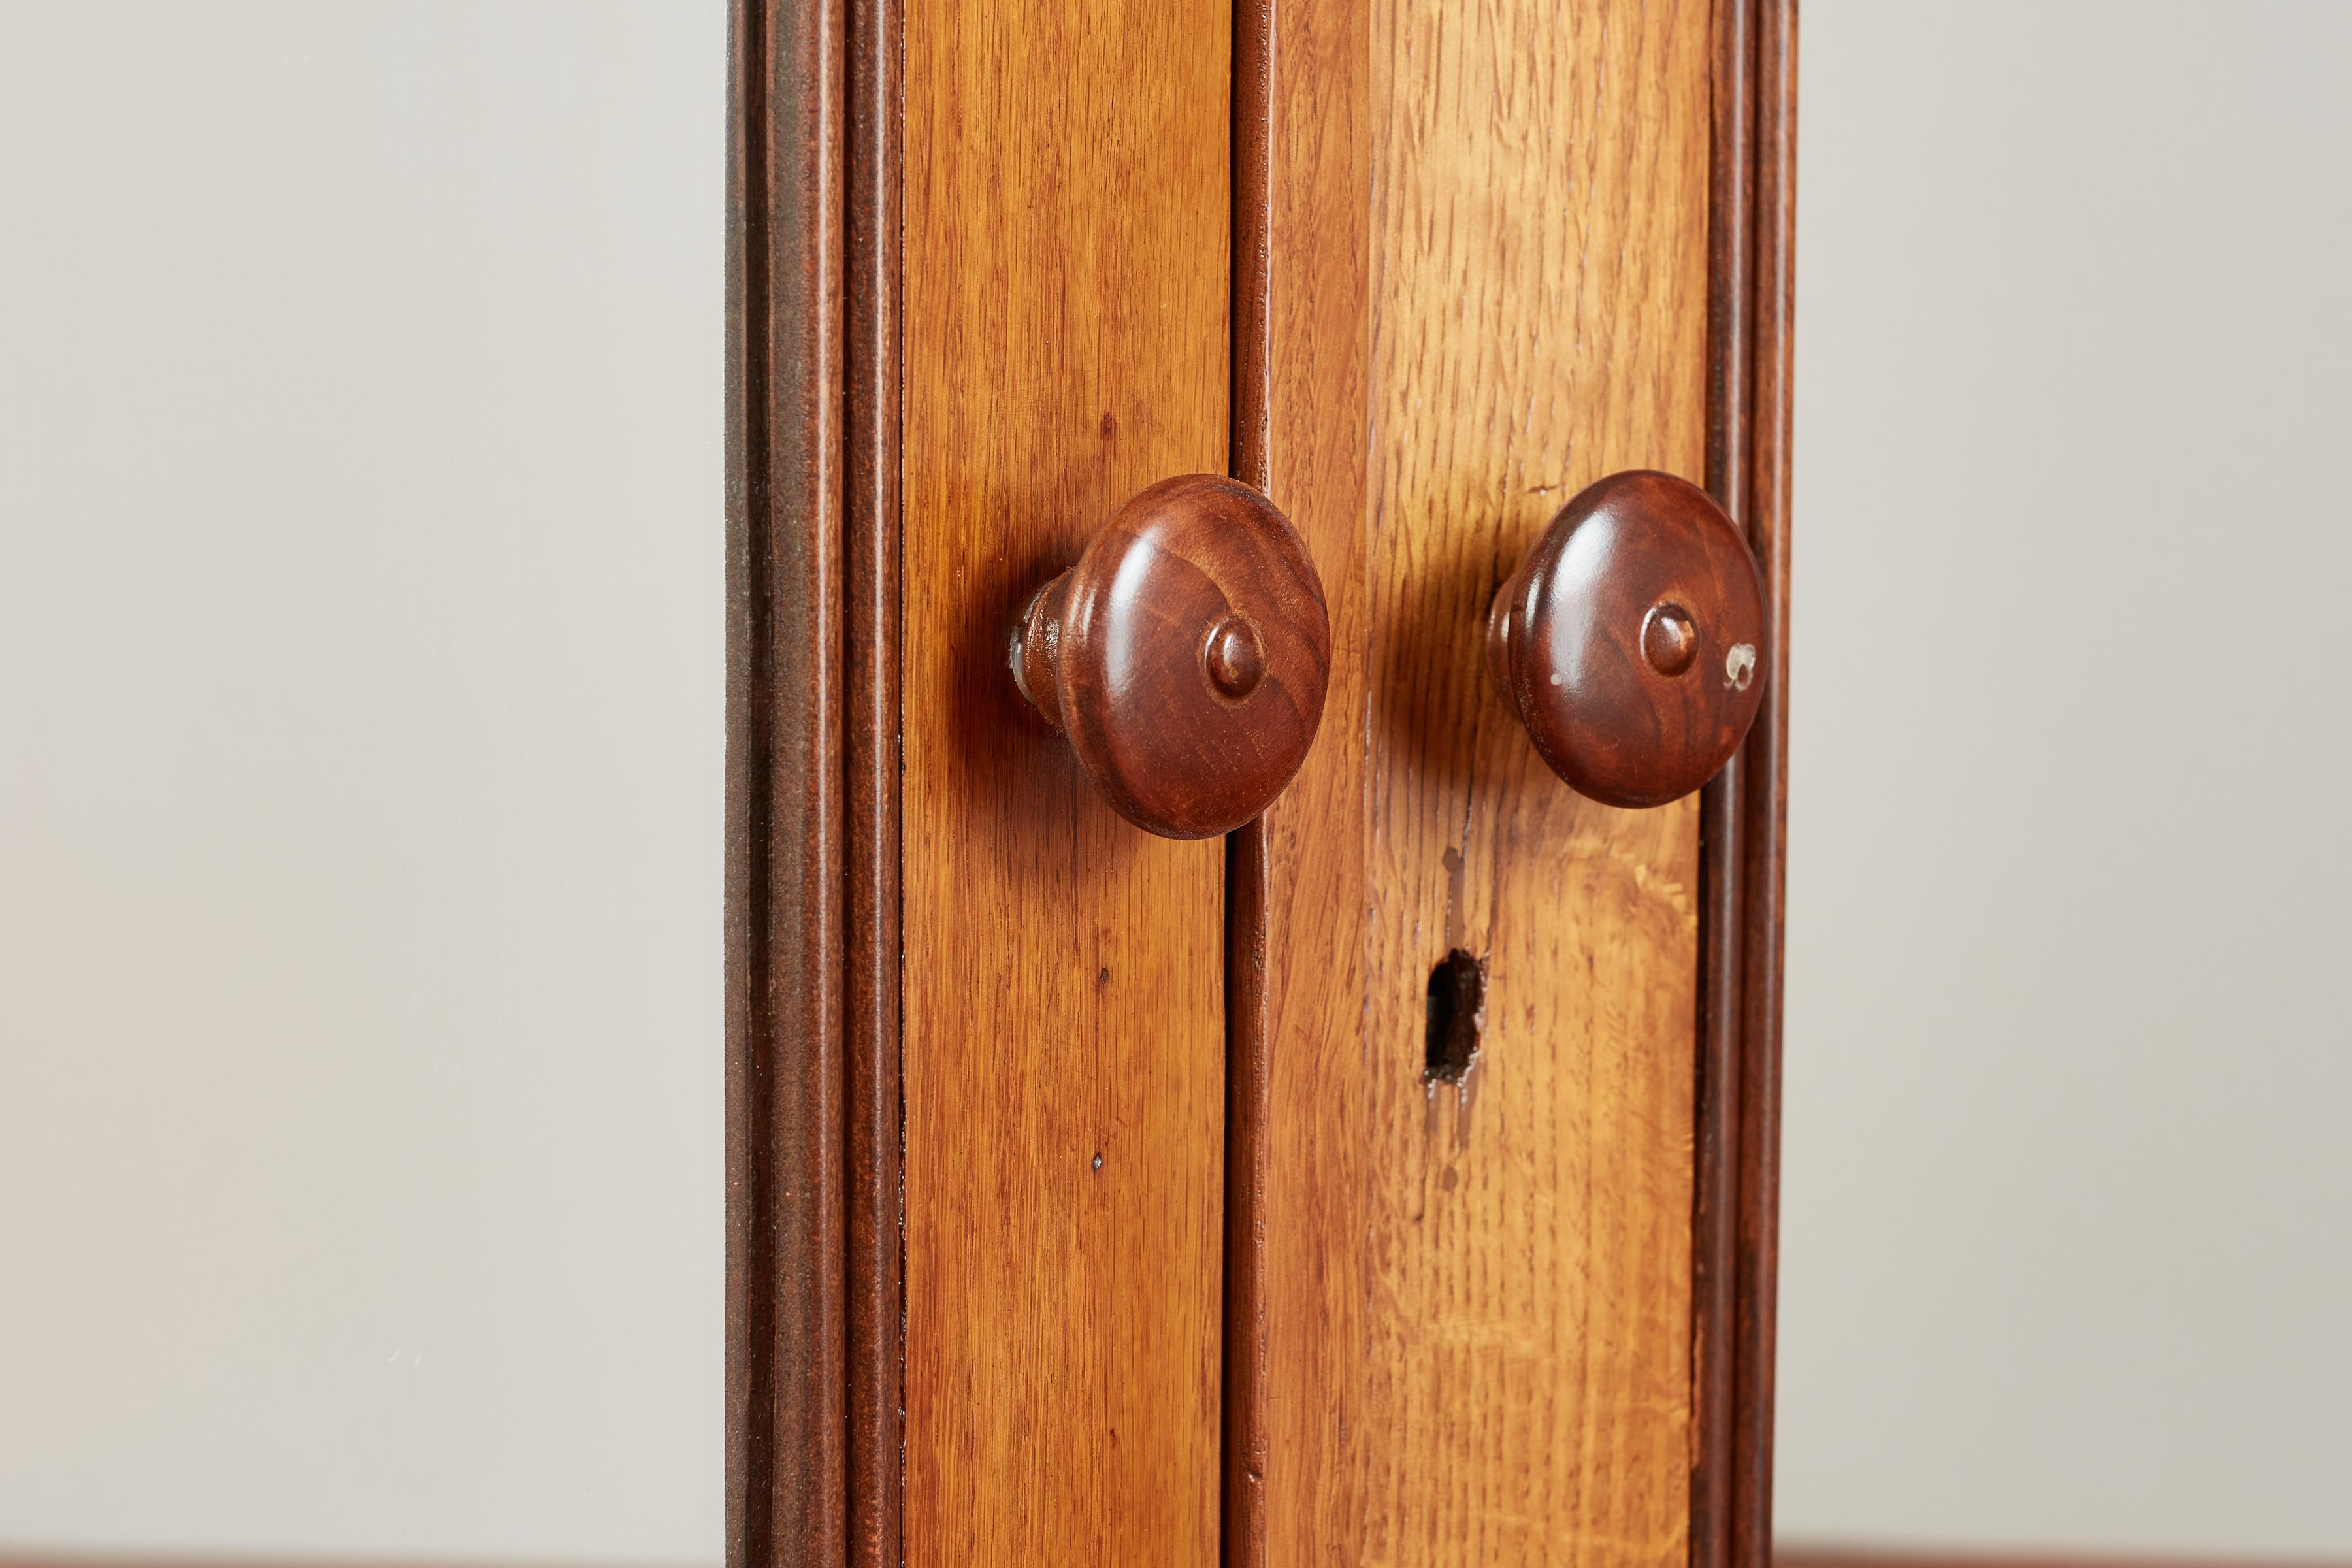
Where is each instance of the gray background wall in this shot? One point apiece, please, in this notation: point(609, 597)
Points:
point(2068, 1214)
point(359, 471)
point(360, 777)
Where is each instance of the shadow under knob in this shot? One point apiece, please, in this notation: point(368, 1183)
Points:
point(1630, 642)
point(1185, 656)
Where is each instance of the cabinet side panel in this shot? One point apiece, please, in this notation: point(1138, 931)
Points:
point(1066, 255)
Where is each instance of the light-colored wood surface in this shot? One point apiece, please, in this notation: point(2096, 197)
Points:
point(1066, 264)
point(1539, 257)
point(1479, 1351)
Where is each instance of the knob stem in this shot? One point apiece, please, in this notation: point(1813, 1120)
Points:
point(1038, 648)
point(1499, 634)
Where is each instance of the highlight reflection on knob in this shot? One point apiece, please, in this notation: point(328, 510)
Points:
point(1630, 641)
point(1184, 657)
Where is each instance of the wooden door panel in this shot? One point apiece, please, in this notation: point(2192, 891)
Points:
point(1297, 1149)
point(1480, 1294)
point(1065, 263)
point(1540, 240)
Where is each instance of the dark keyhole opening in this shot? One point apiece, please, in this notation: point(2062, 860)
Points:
point(1457, 1012)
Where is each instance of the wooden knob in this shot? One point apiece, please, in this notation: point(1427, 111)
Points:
point(1184, 656)
point(1630, 640)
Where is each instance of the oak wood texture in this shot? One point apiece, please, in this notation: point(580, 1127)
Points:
point(1184, 657)
point(1627, 640)
point(785, 819)
point(1299, 1149)
point(1476, 1315)
point(1062, 1025)
point(1539, 236)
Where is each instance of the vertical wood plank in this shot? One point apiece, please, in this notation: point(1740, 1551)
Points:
point(1765, 829)
point(785, 945)
point(1722, 870)
point(1540, 183)
point(1301, 873)
point(1291, 1489)
point(875, 1241)
point(1065, 264)
point(1476, 1301)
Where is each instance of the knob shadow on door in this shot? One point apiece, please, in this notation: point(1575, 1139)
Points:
point(1630, 642)
point(1184, 657)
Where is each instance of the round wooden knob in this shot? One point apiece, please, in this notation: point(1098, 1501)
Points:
point(1631, 640)
point(1184, 656)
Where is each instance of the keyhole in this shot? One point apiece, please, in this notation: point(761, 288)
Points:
point(1457, 1012)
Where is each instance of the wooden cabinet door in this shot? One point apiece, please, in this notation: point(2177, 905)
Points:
point(1392, 1181)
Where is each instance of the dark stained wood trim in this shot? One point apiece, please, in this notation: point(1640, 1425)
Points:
point(875, 1341)
point(1241, 1520)
point(1743, 813)
point(785, 953)
point(1764, 805)
point(1252, 410)
point(1715, 1112)
point(814, 1310)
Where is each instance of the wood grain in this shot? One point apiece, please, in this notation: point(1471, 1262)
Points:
point(1722, 879)
point(1295, 1332)
point(1184, 657)
point(1764, 829)
point(785, 942)
point(1469, 1340)
point(873, 1348)
point(1064, 265)
point(1627, 640)
point(1539, 263)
